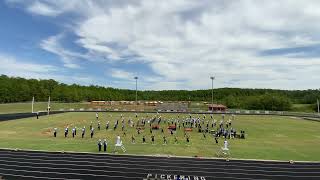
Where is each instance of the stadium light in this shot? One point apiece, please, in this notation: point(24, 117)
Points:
point(136, 78)
point(212, 78)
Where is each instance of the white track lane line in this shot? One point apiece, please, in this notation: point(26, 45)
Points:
point(145, 167)
point(175, 158)
point(65, 173)
point(230, 173)
point(162, 161)
point(33, 177)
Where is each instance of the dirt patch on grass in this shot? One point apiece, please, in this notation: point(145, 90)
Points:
point(46, 131)
point(66, 125)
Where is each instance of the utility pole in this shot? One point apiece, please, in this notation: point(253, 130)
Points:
point(136, 78)
point(212, 78)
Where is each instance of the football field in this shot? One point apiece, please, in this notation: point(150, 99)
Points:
point(267, 137)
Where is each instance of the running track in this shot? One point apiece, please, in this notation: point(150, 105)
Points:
point(49, 165)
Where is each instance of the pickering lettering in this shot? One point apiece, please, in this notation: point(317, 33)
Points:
point(173, 177)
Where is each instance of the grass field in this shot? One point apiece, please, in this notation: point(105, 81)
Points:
point(268, 137)
point(303, 108)
point(56, 106)
point(41, 106)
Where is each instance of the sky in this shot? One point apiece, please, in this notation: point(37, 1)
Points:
point(169, 44)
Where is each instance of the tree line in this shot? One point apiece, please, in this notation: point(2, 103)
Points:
point(17, 89)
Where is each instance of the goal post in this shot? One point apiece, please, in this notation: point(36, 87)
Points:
point(48, 108)
point(32, 105)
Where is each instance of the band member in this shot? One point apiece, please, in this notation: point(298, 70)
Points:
point(55, 132)
point(143, 139)
point(37, 115)
point(92, 131)
point(152, 139)
point(107, 125)
point(165, 140)
point(133, 140)
point(99, 145)
point(73, 132)
point(83, 131)
point(118, 140)
point(105, 145)
point(176, 139)
point(221, 123)
point(66, 132)
point(99, 125)
point(97, 115)
point(225, 143)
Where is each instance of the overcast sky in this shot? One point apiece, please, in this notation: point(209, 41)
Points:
point(169, 44)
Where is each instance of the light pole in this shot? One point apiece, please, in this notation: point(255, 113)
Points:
point(212, 78)
point(136, 78)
